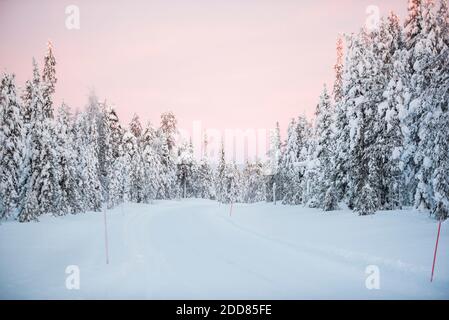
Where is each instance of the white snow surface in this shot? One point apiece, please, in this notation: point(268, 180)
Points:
point(194, 249)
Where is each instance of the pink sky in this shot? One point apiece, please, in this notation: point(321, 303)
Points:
point(229, 64)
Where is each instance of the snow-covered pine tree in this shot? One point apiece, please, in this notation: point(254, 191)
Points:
point(326, 191)
point(39, 185)
point(49, 81)
point(69, 200)
point(11, 140)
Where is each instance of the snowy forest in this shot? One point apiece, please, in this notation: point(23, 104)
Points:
point(379, 139)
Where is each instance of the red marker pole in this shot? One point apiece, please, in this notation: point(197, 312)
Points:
point(106, 237)
point(435, 253)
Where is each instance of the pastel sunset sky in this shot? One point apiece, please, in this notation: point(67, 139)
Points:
point(230, 64)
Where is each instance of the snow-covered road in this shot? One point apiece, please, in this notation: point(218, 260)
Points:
point(194, 249)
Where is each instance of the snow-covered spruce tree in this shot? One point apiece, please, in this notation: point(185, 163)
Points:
point(39, 184)
point(380, 46)
point(342, 129)
point(232, 184)
point(337, 91)
point(186, 170)
point(326, 191)
point(136, 167)
point(390, 109)
point(362, 108)
point(11, 140)
point(427, 49)
point(86, 146)
point(305, 167)
point(273, 165)
point(105, 157)
point(152, 164)
point(166, 148)
point(98, 114)
point(438, 96)
point(220, 176)
point(337, 178)
point(26, 103)
point(110, 140)
point(115, 132)
point(289, 169)
point(69, 200)
point(168, 188)
point(413, 32)
point(204, 182)
point(253, 183)
point(119, 183)
point(136, 127)
point(309, 165)
point(432, 150)
point(132, 146)
point(442, 17)
point(168, 127)
point(48, 81)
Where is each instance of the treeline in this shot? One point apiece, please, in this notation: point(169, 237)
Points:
point(379, 141)
point(382, 140)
